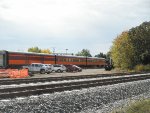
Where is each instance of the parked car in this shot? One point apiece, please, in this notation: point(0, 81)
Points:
point(59, 68)
point(49, 68)
point(37, 68)
point(79, 69)
point(73, 68)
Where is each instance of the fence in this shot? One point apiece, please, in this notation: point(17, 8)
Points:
point(13, 73)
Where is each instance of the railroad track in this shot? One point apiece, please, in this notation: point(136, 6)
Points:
point(49, 79)
point(51, 88)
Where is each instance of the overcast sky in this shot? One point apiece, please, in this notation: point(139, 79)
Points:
point(68, 24)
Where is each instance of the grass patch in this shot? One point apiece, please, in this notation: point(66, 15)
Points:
point(137, 107)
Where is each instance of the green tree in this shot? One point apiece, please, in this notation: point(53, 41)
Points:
point(140, 38)
point(106, 56)
point(132, 47)
point(84, 52)
point(101, 55)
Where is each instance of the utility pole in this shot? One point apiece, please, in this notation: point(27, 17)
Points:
point(66, 51)
point(53, 50)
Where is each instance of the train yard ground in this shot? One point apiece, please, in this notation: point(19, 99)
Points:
point(84, 72)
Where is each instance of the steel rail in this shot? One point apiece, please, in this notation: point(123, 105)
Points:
point(50, 88)
point(49, 79)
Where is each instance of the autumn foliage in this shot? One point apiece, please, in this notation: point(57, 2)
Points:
point(132, 47)
point(38, 50)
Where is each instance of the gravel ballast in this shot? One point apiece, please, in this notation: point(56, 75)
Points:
point(92, 100)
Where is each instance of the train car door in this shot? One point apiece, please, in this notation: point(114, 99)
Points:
point(1, 60)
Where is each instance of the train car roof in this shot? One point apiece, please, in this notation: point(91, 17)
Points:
point(79, 56)
point(25, 52)
point(49, 54)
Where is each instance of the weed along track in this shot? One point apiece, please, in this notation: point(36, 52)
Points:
point(22, 91)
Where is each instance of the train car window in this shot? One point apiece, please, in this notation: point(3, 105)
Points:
point(82, 60)
point(60, 59)
point(70, 59)
point(48, 59)
point(64, 59)
point(90, 60)
point(16, 57)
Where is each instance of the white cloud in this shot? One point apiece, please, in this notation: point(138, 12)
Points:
point(60, 20)
point(53, 15)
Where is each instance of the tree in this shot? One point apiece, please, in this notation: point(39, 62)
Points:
point(101, 55)
point(122, 51)
point(46, 51)
point(34, 49)
point(84, 52)
point(132, 47)
point(107, 57)
point(38, 50)
point(145, 58)
point(140, 38)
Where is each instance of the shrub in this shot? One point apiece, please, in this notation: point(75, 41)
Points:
point(140, 68)
point(142, 106)
point(147, 67)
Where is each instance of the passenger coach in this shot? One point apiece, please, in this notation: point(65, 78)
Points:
point(10, 59)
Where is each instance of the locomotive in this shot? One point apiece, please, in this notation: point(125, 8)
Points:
point(9, 59)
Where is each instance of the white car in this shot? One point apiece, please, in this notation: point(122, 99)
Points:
point(37, 68)
point(59, 68)
point(48, 68)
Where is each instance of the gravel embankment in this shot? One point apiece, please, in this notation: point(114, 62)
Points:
point(93, 100)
